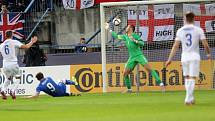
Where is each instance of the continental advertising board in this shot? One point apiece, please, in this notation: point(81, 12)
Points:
point(89, 77)
point(29, 83)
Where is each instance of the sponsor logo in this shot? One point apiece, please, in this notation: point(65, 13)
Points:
point(87, 2)
point(90, 77)
point(26, 78)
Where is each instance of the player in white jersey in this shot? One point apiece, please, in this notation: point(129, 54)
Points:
point(10, 64)
point(189, 36)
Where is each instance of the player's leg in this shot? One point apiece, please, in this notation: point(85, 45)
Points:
point(64, 92)
point(129, 66)
point(7, 81)
point(16, 73)
point(4, 88)
point(62, 89)
point(193, 73)
point(73, 81)
point(144, 62)
point(185, 68)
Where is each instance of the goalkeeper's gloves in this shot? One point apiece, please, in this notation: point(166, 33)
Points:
point(134, 40)
point(109, 26)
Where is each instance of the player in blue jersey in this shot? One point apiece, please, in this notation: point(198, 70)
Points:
point(48, 86)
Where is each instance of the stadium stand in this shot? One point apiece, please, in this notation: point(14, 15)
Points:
point(59, 29)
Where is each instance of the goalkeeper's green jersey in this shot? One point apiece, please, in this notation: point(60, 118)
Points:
point(133, 48)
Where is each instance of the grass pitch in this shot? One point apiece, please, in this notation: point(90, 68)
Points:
point(147, 106)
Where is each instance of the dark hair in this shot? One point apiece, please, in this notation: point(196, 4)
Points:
point(9, 34)
point(82, 38)
point(39, 76)
point(133, 27)
point(190, 17)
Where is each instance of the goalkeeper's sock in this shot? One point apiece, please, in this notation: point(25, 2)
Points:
point(155, 75)
point(127, 82)
point(187, 90)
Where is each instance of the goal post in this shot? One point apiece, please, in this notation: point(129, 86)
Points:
point(152, 29)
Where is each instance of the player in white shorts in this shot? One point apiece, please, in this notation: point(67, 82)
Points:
point(189, 36)
point(10, 65)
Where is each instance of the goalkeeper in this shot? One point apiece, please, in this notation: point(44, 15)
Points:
point(133, 42)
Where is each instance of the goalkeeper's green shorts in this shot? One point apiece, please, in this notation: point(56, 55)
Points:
point(133, 61)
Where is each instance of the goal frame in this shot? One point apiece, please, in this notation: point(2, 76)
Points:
point(102, 22)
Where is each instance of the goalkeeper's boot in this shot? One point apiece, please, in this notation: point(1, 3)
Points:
point(162, 87)
point(127, 91)
point(12, 94)
point(4, 97)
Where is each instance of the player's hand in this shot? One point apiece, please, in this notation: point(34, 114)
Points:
point(136, 41)
point(168, 63)
point(34, 39)
point(209, 56)
point(107, 26)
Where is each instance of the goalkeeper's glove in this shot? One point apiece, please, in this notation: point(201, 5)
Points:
point(109, 26)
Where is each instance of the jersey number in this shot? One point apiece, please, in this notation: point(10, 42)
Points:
point(189, 40)
point(6, 49)
point(51, 87)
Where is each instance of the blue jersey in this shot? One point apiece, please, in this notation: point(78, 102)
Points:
point(48, 86)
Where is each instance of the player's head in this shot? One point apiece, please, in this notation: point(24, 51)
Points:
point(39, 76)
point(9, 34)
point(82, 40)
point(189, 17)
point(130, 28)
point(4, 8)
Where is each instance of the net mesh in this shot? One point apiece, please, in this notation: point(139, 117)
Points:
point(159, 32)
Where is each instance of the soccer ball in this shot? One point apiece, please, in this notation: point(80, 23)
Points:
point(116, 21)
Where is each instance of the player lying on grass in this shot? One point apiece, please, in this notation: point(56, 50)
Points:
point(189, 36)
point(48, 86)
point(133, 43)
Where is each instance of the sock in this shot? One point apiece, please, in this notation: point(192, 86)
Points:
point(192, 87)
point(5, 85)
point(155, 75)
point(15, 85)
point(127, 82)
point(186, 84)
point(69, 82)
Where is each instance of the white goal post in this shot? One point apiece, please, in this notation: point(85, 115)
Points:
point(115, 5)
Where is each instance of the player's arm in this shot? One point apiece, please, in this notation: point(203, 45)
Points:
point(173, 51)
point(117, 36)
point(114, 34)
point(205, 43)
point(26, 46)
point(207, 48)
point(33, 96)
point(138, 40)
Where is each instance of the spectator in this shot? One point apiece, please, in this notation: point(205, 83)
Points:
point(34, 56)
point(20, 7)
point(4, 8)
point(81, 47)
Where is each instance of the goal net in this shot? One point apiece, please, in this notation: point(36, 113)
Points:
point(156, 22)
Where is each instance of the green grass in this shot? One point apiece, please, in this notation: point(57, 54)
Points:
point(147, 106)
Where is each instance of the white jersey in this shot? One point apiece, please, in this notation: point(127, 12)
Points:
point(8, 51)
point(190, 36)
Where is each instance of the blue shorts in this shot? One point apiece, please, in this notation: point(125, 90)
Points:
point(62, 89)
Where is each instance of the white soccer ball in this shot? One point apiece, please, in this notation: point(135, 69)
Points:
point(116, 21)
